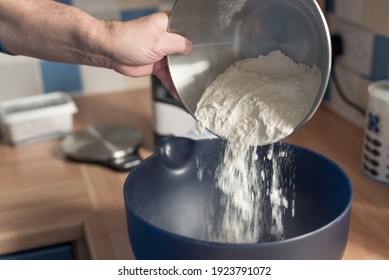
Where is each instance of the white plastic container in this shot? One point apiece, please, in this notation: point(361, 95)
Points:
point(36, 118)
point(375, 158)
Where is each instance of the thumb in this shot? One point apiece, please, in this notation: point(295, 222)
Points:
point(176, 44)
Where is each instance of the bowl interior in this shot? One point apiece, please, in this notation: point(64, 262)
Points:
point(175, 200)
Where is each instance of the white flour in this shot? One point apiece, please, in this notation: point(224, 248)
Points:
point(259, 100)
point(227, 10)
point(256, 101)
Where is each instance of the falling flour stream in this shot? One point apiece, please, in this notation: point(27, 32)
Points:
point(256, 101)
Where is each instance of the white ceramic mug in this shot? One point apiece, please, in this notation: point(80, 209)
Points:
point(375, 157)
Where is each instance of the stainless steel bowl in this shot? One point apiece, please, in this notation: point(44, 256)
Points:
point(225, 31)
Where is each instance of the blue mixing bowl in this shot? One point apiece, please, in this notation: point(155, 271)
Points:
point(164, 202)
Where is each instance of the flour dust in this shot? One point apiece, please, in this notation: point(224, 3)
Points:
point(226, 11)
point(255, 102)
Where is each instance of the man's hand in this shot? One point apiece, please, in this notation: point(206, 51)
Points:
point(136, 46)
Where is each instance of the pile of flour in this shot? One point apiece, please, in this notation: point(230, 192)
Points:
point(260, 100)
point(254, 102)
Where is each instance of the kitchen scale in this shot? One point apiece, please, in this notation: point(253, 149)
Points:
point(113, 146)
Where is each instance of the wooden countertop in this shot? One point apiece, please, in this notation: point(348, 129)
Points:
point(46, 200)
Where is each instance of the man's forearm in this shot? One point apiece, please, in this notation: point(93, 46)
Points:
point(53, 31)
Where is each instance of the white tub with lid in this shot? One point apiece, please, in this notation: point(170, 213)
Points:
point(36, 118)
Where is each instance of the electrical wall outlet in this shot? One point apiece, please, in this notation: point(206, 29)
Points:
point(358, 46)
point(355, 88)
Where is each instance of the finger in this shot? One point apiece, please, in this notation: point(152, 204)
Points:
point(135, 71)
point(161, 71)
point(176, 44)
point(158, 66)
point(167, 13)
